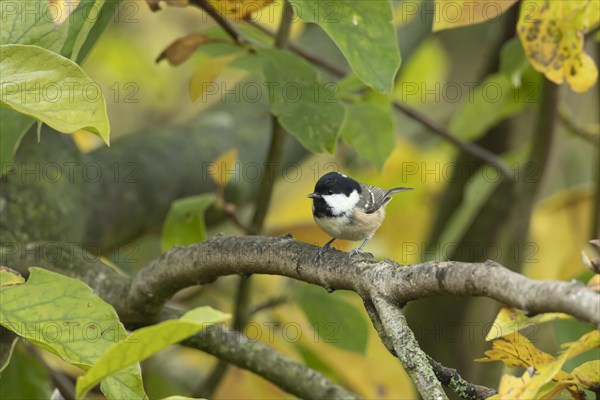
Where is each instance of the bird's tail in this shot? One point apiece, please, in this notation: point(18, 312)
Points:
point(393, 191)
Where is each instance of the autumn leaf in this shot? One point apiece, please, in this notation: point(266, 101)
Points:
point(182, 49)
point(510, 319)
point(456, 13)
point(594, 283)
point(552, 34)
point(516, 350)
point(536, 382)
point(222, 169)
point(586, 342)
point(588, 374)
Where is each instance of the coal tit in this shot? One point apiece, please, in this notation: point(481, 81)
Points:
point(349, 210)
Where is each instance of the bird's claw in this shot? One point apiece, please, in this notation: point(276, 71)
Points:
point(353, 252)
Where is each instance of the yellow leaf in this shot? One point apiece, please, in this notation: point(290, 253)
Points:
point(588, 374)
point(9, 277)
point(586, 342)
point(594, 283)
point(223, 168)
point(552, 34)
point(456, 13)
point(529, 385)
point(239, 9)
point(202, 82)
point(554, 250)
point(183, 48)
point(510, 319)
point(516, 350)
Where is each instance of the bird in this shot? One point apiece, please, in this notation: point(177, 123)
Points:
point(349, 210)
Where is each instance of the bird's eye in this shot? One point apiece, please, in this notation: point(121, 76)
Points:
point(330, 191)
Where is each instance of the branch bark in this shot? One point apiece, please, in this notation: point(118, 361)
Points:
point(412, 358)
point(205, 262)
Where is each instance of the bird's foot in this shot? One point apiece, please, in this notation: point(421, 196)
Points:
point(319, 253)
point(353, 252)
point(322, 250)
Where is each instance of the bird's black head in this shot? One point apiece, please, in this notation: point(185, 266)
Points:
point(329, 185)
point(336, 183)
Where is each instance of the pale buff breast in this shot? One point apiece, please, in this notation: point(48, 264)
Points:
point(361, 227)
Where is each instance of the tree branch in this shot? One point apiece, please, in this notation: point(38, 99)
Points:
point(205, 262)
point(237, 349)
point(412, 358)
point(448, 377)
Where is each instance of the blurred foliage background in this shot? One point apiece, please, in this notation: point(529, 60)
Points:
point(437, 77)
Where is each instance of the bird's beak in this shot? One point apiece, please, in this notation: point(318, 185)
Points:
point(313, 196)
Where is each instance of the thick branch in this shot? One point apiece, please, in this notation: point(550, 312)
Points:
point(205, 262)
point(295, 378)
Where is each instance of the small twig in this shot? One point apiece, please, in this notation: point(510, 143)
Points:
point(467, 147)
point(227, 26)
point(301, 51)
point(450, 378)
point(271, 303)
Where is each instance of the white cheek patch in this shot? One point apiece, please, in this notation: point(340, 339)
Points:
point(340, 203)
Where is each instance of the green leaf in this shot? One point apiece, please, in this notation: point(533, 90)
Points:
point(185, 221)
point(337, 321)
point(492, 101)
point(364, 32)
point(65, 317)
point(13, 127)
point(25, 378)
point(82, 20)
point(102, 21)
point(145, 342)
point(51, 88)
point(304, 106)
point(31, 22)
point(513, 61)
point(369, 128)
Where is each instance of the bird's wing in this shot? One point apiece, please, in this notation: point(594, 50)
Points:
point(373, 197)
